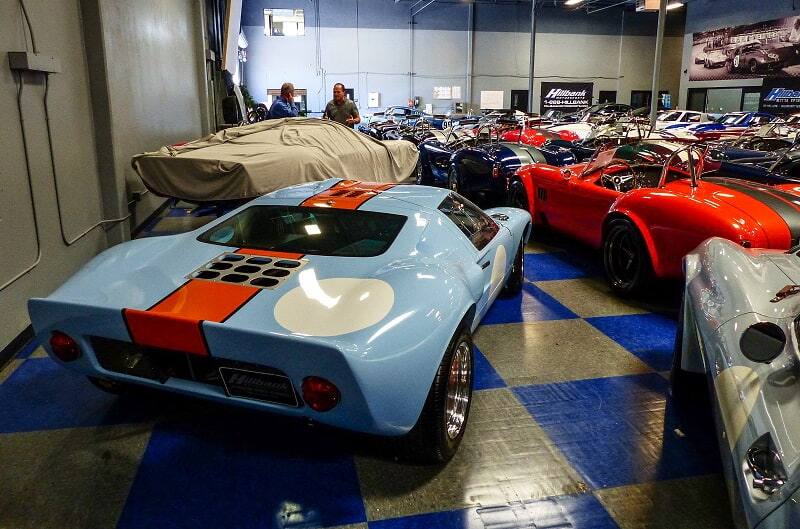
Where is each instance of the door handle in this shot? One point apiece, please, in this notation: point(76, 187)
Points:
point(485, 265)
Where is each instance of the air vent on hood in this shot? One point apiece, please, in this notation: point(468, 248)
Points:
point(260, 272)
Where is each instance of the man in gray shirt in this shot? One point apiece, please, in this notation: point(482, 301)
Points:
point(342, 109)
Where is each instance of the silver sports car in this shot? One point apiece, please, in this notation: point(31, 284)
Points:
point(739, 332)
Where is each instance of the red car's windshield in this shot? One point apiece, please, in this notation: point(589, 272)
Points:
point(645, 153)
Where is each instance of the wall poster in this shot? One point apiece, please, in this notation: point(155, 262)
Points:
point(764, 49)
point(568, 97)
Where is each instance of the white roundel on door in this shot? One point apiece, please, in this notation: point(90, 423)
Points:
point(331, 307)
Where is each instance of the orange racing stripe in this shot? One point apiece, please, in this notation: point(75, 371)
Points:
point(176, 321)
point(347, 194)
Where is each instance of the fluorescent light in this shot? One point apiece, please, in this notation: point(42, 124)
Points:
point(312, 229)
point(572, 2)
point(674, 5)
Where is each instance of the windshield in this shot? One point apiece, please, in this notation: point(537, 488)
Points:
point(730, 119)
point(316, 231)
point(644, 153)
point(670, 116)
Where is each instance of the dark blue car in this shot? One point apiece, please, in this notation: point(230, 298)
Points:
point(479, 169)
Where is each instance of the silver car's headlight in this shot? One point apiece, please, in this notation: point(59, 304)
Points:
point(762, 342)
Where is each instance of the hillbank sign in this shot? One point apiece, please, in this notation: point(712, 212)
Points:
point(566, 96)
point(780, 95)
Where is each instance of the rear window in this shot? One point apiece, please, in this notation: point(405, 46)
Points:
point(314, 231)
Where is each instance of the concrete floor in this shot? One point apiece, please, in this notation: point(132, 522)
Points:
point(571, 427)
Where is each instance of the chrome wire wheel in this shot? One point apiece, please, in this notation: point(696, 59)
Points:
point(459, 384)
point(452, 180)
point(419, 173)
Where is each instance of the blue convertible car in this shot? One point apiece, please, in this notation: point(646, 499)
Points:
point(480, 168)
point(349, 303)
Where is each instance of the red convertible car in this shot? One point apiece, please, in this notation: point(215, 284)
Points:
point(649, 204)
point(536, 137)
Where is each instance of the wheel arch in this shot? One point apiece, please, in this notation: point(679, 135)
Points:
point(524, 177)
point(624, 214)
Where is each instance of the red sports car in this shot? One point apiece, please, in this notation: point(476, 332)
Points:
point(647, 205)
point(536, 137)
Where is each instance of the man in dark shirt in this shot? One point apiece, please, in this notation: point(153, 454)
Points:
point(283, 106)
point(342, 109)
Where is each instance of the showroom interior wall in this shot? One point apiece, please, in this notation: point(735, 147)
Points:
point(131, 81)
point(365, 44)
point(703, 15)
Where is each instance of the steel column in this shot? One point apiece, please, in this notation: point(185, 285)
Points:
point(662, 15)
point(533, 55)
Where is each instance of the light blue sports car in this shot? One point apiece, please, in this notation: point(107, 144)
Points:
point(349, 303)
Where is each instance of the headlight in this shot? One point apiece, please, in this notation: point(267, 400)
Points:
point(762, 342)
point(772, 56)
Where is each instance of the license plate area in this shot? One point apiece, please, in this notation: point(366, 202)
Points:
point(258, 385)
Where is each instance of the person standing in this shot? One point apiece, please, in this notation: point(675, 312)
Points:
point(342, 109)
point(283, 106)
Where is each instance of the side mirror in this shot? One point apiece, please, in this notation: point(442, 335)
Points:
point(566, 173)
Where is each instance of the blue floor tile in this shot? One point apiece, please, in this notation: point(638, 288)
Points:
point(485, 375)
point(223, 468)
point(560, 265)
point(42, 395)
point(650, 337)
point(619, 430)
point(574, 512)
point(178, 212)
point(532, 304)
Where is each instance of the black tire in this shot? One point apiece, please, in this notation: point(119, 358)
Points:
point(419, 173)
point(729, 66)
point(429, 441)
point(753, 66)
point(684, 387)
point(518, 197)
point(452, 180)
point(113, 387)
point(516, 277)
point(625, 258)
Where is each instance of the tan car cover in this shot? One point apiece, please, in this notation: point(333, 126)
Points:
point(248, 161)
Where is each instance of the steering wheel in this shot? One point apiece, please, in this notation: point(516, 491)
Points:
point(620, 182)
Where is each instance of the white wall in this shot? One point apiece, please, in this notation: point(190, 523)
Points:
point(613, 50)
point(130, 79)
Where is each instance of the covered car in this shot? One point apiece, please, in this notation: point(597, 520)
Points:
point(348, 303)
point(246, 162)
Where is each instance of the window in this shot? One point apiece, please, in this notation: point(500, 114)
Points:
point(284, 23)
point(476, 225)
point(316, 231)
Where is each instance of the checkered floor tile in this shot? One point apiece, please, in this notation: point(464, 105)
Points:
point(571, 427)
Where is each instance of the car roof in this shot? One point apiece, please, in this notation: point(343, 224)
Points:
point(409, 197)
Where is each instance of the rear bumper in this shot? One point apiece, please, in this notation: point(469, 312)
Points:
point(199, 376)
point(381, 396)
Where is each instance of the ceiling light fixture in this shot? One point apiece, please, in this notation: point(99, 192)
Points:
point(674, 5)
point(572, 2)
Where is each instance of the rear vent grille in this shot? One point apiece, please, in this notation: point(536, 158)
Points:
point(251, 270)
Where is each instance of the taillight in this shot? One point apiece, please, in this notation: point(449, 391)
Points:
point(64, 347)
point(496, 172)
point(320, 394)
